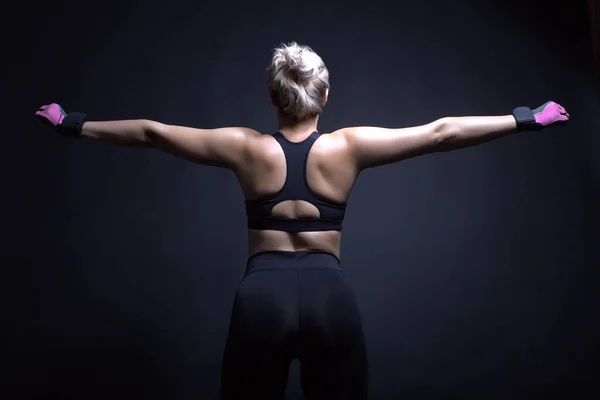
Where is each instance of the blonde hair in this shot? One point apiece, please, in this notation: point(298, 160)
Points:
point(297, 80)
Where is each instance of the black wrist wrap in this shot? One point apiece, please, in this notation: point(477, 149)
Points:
point(526, 119)
point(72, 124)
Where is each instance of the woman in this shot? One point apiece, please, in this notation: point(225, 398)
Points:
point(294, 301)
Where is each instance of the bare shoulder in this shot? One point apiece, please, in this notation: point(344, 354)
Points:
point(336, 141)
point(247, 135)
point(370, 146)
point(249, 132)
point(332, 151)
point(258, 143)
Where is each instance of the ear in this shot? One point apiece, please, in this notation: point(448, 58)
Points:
point(325, 96)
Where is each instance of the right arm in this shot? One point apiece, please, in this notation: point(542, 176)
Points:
point(222, 147)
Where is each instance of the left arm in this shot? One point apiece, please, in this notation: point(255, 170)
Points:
point(373, 146)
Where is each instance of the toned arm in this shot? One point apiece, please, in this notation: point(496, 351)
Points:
point(371, 146)
point(222, 147)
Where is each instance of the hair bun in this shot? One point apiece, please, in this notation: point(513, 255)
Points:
point(298, 80)
point(293, 58)
point(297, 65)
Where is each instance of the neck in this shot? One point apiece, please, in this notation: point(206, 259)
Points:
point(297, 130)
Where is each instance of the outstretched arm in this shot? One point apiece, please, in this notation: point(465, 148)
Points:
point(371, 146)
point(223, 147)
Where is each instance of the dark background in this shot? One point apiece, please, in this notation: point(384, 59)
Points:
point(476, 270)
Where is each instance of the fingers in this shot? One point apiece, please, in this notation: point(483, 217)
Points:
point(45, 107)
point(562, 110)
point(40, 115)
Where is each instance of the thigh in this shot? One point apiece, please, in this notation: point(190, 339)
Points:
point(334, 358)
point(256, 359)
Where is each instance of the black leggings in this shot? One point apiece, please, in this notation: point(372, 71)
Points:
point(294, 305)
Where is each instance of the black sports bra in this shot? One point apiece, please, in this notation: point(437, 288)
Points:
point(295, 187)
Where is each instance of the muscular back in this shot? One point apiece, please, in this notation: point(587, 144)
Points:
point(334, 162)
point(329, 173)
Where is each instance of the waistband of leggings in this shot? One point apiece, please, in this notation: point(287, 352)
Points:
point(291, 260)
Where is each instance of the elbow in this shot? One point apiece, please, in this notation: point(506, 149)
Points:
point(445, 132)
point(152, 131)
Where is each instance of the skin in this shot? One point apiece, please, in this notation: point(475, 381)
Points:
point(334, 162)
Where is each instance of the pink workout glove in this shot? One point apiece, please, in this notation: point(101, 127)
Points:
point(66, 124)
point(547, 114)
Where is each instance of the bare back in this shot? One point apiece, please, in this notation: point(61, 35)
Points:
point(332, 167)
point(329, 174)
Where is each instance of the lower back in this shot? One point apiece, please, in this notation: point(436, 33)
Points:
point(267, 240)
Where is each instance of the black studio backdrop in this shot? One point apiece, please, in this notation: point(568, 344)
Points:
point(476, 270)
